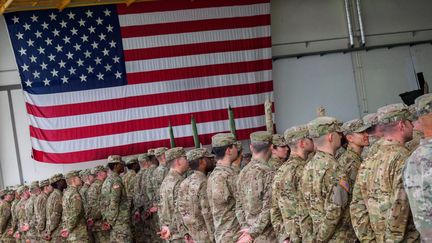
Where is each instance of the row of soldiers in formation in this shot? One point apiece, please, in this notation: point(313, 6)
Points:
point(372, 189)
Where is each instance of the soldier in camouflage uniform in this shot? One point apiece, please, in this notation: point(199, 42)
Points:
point(417, 130)
point(350, 161)
point(141, 225)
point(417, 172)
point(221, 189)
point(379, 209)
point(87, 178)
point(253, 200)
point(114, 203)
point(129, 179)
point(374, 133)
point(280, 152)
point(29, 226)
point(54, 209)
point(14, 222)
point(286, 193)
point(40, 205)
point(73, 222)
point(324, 185)
point(159, 174)
point(6, 215)
point(172, 228)
point(94, 221)
point(192, 199)
point(19, 234)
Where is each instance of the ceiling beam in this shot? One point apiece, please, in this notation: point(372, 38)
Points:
point(5, 6)
point(63, 4)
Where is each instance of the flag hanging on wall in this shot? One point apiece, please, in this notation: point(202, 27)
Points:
point(108, 79)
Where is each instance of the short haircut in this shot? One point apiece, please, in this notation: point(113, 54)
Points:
point(319, 141)
point(111, 166)
point(194, 164)
point(260, 147)
point(130, 166)
point(389, 127)
point(219, 152)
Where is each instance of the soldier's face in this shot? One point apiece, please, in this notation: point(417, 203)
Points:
point(209, 164)
point(9, 197)
point(408, 130)
point(280, 152)
point(183, 164)
point(360, 139)
point(234, 153)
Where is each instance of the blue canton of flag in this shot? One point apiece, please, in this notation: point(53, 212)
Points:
point(76, 49)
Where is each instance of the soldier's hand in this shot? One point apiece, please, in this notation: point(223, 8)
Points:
point(106, 226)
point(90, 222)
point(245, 237)
point(188, 239)
point(153, 209)
point(25, 227)
point(137, 216)
point(46, 236)
point(286, 241)
point(10, 232)
point(17, 235)
point(164, 233)
point(64, 233)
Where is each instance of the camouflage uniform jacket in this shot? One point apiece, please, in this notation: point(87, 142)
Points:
point(14, 221)
point(148, 187)
point(254, 200)
point(275, 213)
point(138, 194)
point(194, 208)
point(114, 204)
point(276, 162)
point(158, 176)
point(379, 209)
point(169, 214)
point(374, 144)
point(221, 190)
point(83, 191)
point(286, 194)
point(5, 216)
point(21, 214)
point(417, 182)
point(350, 161)
point(325, 192)
point(40, 211)
point(54, 211)
point(30, 218)
point(94, 208)
point(129, 179)
point(73, 215)
point(305, 220)
point(414, 143)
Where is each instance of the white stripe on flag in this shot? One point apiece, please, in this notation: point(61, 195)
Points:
point(193, 14)
point(147, 89)
point(147, 112)
point(195, 37)
point(197, 60)
point(142, 136)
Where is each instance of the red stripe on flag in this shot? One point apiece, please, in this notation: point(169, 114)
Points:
point(170, 5)
point(194, 26)
point(199, 71)
point(103, 153)
point(148, 100)
point(142, 124)
point(196, 49)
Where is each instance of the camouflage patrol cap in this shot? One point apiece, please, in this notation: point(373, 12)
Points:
point(370, 119)
point(143, 157)
point(261, 137)
point(56, 178)
point(132, 160)
point(413, 112)
point(98, 169)
point(198, 153)
point(175, 153)
point(424, 104)
point(34, 185)
point(2, 192)
point(71, 174)
point(9, 191)
point(223, 139)
point(355, 125)
point(160, 151)
point(150, 152)
point(393, 113)
point(239, 145)
point(85, 172)
point(115, 159)
point(295, 133)
point(21, 189)
point(44, 183)
point(323, 125)
point(278, 140)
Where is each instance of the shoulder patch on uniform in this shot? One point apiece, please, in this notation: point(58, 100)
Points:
point(115, 186)
point(344, 184)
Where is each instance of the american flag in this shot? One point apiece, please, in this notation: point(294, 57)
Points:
point(108, 79)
